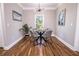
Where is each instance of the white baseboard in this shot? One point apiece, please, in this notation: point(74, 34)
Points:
point(11, 45)
point(1, 44)
point(68, 45)
point(53, 35)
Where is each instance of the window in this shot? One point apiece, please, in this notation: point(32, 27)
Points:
point(39, 21)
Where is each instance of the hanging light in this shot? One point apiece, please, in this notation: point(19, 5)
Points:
point(39, 9)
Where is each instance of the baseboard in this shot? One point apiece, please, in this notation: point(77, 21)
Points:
point(1, 44)
point(11, 45)
point(53, 35)
point(68, 45)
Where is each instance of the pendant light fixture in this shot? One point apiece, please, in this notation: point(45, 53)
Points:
point(39, 9)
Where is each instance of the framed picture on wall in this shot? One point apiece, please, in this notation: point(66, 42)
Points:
point(61, 17)
point(16, 16)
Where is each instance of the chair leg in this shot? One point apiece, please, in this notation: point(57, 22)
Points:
point(35, 41)
point(47, 41)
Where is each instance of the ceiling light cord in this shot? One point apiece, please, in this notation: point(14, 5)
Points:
point(39, 10)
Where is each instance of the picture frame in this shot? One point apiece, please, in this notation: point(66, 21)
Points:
point(61, 17)
point(16, 16)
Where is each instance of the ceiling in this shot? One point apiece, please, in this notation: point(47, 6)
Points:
point(36, 5)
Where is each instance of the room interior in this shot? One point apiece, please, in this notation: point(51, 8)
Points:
point(61, 18)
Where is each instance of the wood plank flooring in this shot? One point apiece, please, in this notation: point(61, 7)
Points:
point(26, 47)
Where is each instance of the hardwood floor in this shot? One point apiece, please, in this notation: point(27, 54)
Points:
point(26, 48)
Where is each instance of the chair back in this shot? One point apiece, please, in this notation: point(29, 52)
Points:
point(34, 33)
point(47, 33)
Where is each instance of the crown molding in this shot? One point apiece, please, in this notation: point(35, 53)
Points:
point(29, 8)
point(20, 5)
point(37, 8)
point(59, 4)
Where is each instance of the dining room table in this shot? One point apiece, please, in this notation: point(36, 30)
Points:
point(40, 37)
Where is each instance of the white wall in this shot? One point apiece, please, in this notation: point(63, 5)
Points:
point(49, 18)
point(29, 18)
point(12, 32)
point(76, 42)
point(1, 35)
point(67, 32)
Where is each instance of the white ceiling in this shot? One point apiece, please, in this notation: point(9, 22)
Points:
point(36, 5)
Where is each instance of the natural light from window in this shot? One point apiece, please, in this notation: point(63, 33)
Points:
point(39, 21)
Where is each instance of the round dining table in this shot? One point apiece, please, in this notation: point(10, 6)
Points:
point(40, 37)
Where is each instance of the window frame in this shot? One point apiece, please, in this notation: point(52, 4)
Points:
point(39, 15)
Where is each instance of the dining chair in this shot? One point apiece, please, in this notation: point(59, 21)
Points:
point(47, 35)
point(34, 36)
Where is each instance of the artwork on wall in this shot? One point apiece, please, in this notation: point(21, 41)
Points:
point(16, 16)
point(61, 17)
